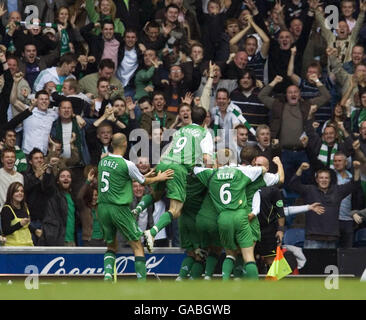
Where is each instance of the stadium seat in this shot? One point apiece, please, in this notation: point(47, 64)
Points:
point(294, 237)
point(360, 238)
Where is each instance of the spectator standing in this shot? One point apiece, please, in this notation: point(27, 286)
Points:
point(322, 231)
point(15, 218)
point(38, 181)
point(353, 201)
point(246, 98)
point(130, 59)
point(106, 11)
point(9, 142)
point(92, 235)
point(60, 220)
point(37, 127)
point(176, 86)
point(88, 84)
point(287, 121)
point(58, 75)
point(159, 113)
point(267, 147)
point(8, 175)
point(147, 218)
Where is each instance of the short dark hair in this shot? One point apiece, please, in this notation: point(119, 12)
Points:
point(251, 74)
point(29, 43)
point(131, 30)
point(107, 21)
point(144, 99)
point(38, 93)
point(33, 152)
point(315, 64)
point(106, 63)
point(68, 58)
point(11, 56)
point(152, 24)
point(102, 79)
point(7, 149)
point(65, 100)
point(158, 93)
point(171, 6)
point(198, 115)
point(9, 130)
point(223, 90)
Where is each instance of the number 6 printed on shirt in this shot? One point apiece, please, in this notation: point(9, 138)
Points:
point(225, 194)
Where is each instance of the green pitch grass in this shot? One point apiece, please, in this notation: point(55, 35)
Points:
point(127, 289)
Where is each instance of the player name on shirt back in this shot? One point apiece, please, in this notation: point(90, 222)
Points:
point(109, 163)
point(225, 175)
point(193, 132)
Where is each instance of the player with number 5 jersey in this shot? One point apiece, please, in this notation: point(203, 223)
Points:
point(115, 175)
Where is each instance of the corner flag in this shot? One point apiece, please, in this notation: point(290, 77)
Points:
point(279, 268)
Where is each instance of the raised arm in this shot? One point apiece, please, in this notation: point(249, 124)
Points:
point(361, 16)
point(290, 69)
point(264, 95)
point(295, 183)
point(205, 97)
point(326, 32)
point(280, 169)
point(266, 40)
point(324, 96)
point(235, 39)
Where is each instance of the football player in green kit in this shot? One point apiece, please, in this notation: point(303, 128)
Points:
point(115, 175)
point(191, 146)
point(226, 187)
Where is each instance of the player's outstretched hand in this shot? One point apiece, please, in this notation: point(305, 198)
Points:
point(166, 175)
point(151, 173)
point(317, 208)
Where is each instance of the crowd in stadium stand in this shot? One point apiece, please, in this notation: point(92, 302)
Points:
point(292, 85)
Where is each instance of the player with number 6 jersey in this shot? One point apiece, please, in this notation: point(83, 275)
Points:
point(226, 186)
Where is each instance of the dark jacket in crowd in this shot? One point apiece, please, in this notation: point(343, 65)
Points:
point(325, 226)
point(96, 42)
point(38, 192)
point(5, 97)
point(54, 222)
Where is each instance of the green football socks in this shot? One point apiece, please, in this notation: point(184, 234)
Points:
point(186, 267)
point(197, 270)
point(239, 267)
point(146, 201)
point(163, 221)
point(251, 271)
point(140, 268)
point(109, 262)
point(227, 267)
point(211, 263)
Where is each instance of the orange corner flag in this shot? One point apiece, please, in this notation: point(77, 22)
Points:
point(279, 268)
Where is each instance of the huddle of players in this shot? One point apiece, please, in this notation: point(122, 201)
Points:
point(220, 213)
